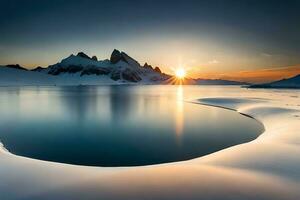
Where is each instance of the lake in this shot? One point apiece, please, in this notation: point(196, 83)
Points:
point(117, 125)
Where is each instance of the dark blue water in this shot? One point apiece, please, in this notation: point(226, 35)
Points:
point(116, 125)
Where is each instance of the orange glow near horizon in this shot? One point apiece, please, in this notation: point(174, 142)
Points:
point(253, 76)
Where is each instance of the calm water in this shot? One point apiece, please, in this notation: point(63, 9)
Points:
point(117, 125)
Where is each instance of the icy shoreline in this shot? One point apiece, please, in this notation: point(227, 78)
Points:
point(266, 168)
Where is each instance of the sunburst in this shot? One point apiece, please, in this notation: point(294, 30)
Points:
point(180, 73)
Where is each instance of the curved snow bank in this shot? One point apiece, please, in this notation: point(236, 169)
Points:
point(266, 168)
point(275, 152)
point(2, 148)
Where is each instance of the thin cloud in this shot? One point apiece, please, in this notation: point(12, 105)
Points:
point(266, 55)
point(213, 62)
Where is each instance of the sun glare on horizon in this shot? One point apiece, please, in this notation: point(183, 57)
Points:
point(180, 73)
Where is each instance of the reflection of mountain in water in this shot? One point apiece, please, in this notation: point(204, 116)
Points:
point(79, 101)
point(85, 102)
point(121, 103)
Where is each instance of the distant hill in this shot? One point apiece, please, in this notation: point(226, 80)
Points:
point(293, 82)
point(218, 82)
point(16, 66)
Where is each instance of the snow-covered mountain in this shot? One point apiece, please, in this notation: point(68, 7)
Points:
point(120, 68)
point(293, 82)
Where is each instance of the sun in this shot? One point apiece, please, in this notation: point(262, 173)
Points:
point(180, 73)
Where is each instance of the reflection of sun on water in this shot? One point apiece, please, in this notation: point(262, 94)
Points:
point(179, 114)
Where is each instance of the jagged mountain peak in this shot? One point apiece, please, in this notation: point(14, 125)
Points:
point(117, 56)
point(95, 58)
point(147, 66)
point(81, 59)
point(157, 69)
point(83, 55)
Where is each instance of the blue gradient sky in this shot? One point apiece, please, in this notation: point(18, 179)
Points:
point(205, 37)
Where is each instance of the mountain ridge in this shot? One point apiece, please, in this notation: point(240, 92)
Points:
point(293, 82)
point(119, 69)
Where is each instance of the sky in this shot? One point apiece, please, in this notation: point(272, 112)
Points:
point(238, 40)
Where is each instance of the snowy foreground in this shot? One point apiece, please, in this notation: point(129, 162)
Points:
point(266, 168)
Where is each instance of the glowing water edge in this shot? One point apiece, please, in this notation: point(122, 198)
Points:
point(117, 125)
